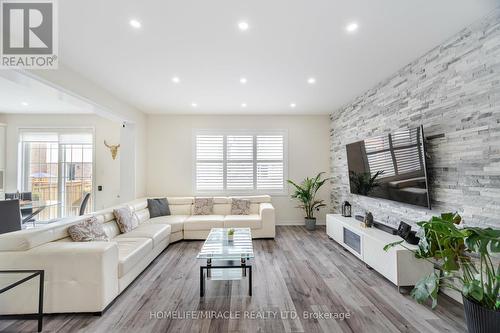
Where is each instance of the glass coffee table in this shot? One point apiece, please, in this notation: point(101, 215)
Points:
point(226, 259)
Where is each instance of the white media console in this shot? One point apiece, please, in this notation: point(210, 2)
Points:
point(398, 264)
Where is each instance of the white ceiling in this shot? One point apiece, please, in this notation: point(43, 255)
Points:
point(29, 96)
point(288, 41)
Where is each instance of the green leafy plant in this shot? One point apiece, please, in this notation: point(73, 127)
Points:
point(305, 193)
point(230, 232)
point(464, 256)
point(364, 182)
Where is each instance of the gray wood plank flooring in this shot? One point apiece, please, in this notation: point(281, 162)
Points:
point(299, 271)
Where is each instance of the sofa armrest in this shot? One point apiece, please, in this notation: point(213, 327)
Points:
point(268, 217)
point(79, 277)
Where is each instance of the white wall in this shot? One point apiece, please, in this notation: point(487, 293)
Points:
point(106, 105)
point(169, 153)
point(107, 170)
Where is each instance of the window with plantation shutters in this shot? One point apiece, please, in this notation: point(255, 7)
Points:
point(240, 162)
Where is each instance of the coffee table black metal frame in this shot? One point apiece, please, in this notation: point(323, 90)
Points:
point(33, 274)
point(244, 266)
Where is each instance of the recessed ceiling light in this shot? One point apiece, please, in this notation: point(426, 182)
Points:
point(351, 27)
point(243, 26)
point(243, 80)
point(293, 105)
point(311, 80)
point(24, 103)
point(243, 105)
point(175, 79)
point(135, 24)
point(194, 105)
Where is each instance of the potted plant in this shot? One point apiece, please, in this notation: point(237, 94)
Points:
point(230, 234)
point(464, 255)
point(305, 193)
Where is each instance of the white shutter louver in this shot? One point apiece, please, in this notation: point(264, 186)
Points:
point(270, 167)
point(239, 162)
point(209, 162)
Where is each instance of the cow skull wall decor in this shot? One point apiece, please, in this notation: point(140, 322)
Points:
point(113, 149)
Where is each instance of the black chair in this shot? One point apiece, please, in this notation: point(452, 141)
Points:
point(10, 216)
point(11, 196)
point(26, 196)
point(25, 212)
point(84, 203)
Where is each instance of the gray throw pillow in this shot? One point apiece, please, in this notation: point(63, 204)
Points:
point(88, 230)
point(126, 219)
point(158, 207)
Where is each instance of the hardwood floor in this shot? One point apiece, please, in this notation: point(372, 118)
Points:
point(299, 271)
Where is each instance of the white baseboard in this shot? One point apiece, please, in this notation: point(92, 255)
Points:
point(298, 222)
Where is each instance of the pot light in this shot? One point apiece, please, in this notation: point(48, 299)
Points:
point(243, 105)
point(243, 80)
point(24, 103)
point(135, 24)
point(175, 79)
point(311, 80)
point(293, 105)
point(194, 105)
point(243, 26)
point(352, 27)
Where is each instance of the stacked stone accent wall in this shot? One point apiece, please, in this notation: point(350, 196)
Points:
point(454, 92)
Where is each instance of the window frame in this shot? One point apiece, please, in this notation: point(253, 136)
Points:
point(254, 133)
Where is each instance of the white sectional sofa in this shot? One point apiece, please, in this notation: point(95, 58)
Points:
point(88, 276)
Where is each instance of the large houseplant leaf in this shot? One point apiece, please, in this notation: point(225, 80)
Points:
point(427, 288)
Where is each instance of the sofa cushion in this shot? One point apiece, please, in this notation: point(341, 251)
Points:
point(240, 207)
point(126, 219)
point(204, 222)
point(176, 222)
point(157, 232)
point(254, 198)
point(252, 221)
point(203, 206)
point(130, 252)
point(158, 207)
point(88, 230)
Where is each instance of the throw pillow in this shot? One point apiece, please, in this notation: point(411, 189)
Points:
point(158, 207)
point(240, 207)
point(88, 230)
point(203, 206)
point(126, 219)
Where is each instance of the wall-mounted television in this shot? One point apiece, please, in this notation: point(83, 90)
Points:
point(390, 166)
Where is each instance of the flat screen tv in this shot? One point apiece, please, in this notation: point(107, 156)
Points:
point(390, 166)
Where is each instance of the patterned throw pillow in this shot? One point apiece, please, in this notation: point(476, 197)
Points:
point(87, 231)
point(126, 219)
point(203, 206)
point(240, 207)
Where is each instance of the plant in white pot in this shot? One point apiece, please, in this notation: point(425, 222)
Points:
point(305, 193)
point(466, 256)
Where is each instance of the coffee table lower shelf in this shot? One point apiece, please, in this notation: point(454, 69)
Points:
point(216, 272)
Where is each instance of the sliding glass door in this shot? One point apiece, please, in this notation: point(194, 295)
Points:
point(57, 168)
